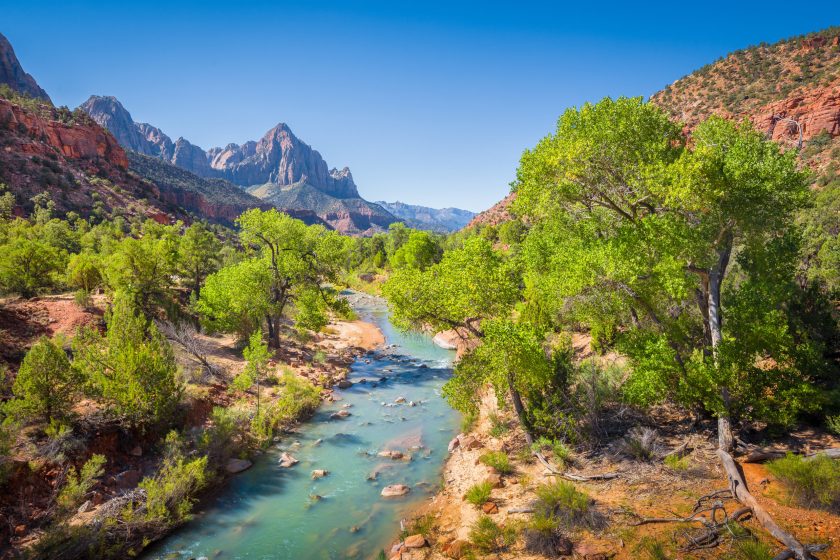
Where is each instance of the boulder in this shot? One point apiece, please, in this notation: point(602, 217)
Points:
point(495, 480)
point(490, 508)
point(395, 490)
point(234, 466)
point(128, 479)
point(399, 400)
point(392, 454)
point(468, 442)
point(85, 507)
point(137, 451)
point(319, 473)
point(340, 414)
point(287, 460)
point(453, 444)
point(345, 384)
point(415, 541)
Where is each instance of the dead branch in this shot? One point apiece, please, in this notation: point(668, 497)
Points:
point(571, 476)
point(185, 335)
point(742, 494)
point(762, 455)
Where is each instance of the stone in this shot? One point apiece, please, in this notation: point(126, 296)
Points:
point(490, 508)
point(563, 546)
point(85, 507)
point(399, 400)
point(128, 479)
point(345, 384)
point(468, 442)
point(340, 414)
point(415, 541)
point(456, 549)
point(495, 480)
point(287, 460)
point(20, 530)
point(137, 451)
point(319, 473)
point(235, 466)
point(453, 444)
point(391, 454)
point(395, 490)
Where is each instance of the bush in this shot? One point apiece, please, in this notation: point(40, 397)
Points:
point(833, 424)
point(498, 426)
point(641, 444)
point(79, 484)
point(224, 438)
point(497, 460)
point(561, 501)
point(750, 549)
point(170, 493)
point(478, 494)
point(488, 536)
point(812, 482)
point(298, 398)
point(544, 537)
point(676, 463)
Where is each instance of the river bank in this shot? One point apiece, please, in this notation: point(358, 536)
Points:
point(387, 426)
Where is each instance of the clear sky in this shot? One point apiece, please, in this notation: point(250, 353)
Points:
point(427, 102)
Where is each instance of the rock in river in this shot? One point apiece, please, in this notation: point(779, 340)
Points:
point(395, 490)
point(340, 414)
point(234, 466)
point(415, 541)
point(319, 473)
point(287, 460)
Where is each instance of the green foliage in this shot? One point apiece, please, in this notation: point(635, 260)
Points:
point(676, 463)
point(84, 272)
point(29, 265)
point(45, 386)
point(813, 482)
point(132, 368)
point(498, 425)
point(487, 536)
point(420, 251)
point(78, 484)
point(199, 251)
point(628, 225)
point(170, 493)
point(751, 549)
point(225, 437)
point(833, 424)
point(298, 398)
point(236, 298)
point(497, 460)
point(478, 494)
point(569, 507)
point(652, 549)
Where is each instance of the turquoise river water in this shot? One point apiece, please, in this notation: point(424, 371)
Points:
point(269, 511)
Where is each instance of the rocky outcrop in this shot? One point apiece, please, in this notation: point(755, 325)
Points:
point(146, 139)
point(442, 220)
point(816, 110)
point(190, 157)
point(496, 214)
point(75, 141)
point(13, 75)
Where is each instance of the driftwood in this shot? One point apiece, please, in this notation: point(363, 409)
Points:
point(762, 455)
point(739, 489)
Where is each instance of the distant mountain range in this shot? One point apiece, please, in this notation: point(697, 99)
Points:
point(441, 220)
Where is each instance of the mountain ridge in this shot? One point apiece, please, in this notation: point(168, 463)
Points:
point(440, 220)
point(13, 75)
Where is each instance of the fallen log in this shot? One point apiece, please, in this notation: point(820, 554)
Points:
point(833, 453)
point(762, 455)
point(572, 476)
point(739, 489)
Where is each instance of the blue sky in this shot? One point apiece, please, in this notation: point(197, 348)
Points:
point(429, 103)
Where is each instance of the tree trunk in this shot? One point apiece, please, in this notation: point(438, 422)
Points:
point(519, 407)
point(716, 274)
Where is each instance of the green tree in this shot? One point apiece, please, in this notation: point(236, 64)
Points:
point(468, 285)
point(28, 265)
point(419, 251)
point(630, 228)
point(289, 259)
point(84, 272)
point(132, 368)
point(256, 356)
point(198, 255)
point(45, 386)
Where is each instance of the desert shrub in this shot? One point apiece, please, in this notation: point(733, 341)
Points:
point(651, 549)
point(298, 398)
point(61, 442)
point(79, 484)
point(488, 536)
point(544, 536)
point(478, 494)
point(468, 421)
point(225, 436)
point(497, 460)
point(498, 426)
point(833, 424)
point(170, 493)
point(569, 507)
point(812, 482)
point(641, 444)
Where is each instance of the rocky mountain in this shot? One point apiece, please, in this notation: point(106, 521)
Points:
point(442, 220)
point(495, 215)
point(13, 75)
point(279, 168)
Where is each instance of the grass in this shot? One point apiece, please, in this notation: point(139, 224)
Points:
point(422, 525)
point(570, 507)
point(468, 421)
point(478, 494)
point(651, 549)
point(543, 536)
point(676, 463)
point(498, 426)
point(750, 549)
point(813, 482)
point(488, 536)
point(498, 460)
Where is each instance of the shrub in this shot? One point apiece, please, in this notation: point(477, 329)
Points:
point(45, 385)
point(498, 426)
point(468, 421)
point(833, 424)
point(298, 397)
point(497, 460)
point(488, 536)
point(750, 549)
point(561, 501)
point(170, 493)
point(812, 482)
point(478, 494)
point(79, 484)
point(676, 463)
point(641, 444)
point(224, 437)
point(544, 537)
point(652, 549)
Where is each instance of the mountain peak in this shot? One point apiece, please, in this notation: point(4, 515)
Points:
point(13, 75)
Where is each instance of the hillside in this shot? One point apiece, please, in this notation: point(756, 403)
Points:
point(441, 220)
point(13, 75)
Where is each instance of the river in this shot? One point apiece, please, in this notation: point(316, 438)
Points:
point(273, 512)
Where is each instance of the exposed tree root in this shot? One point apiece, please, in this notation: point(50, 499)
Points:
point(571, 476)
